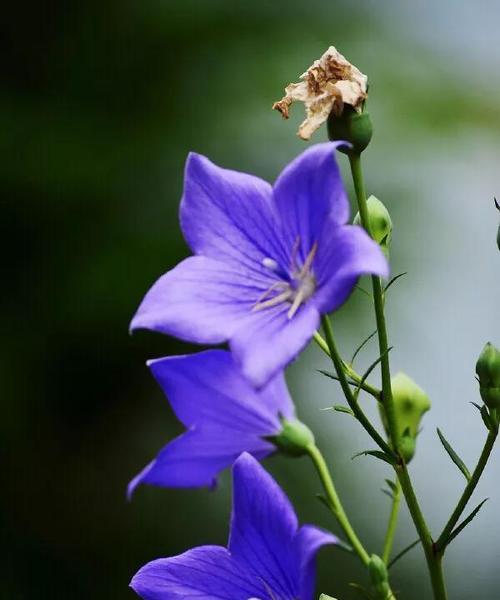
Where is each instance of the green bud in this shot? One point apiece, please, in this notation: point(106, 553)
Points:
point(294, 438)
point(379, 576)
point(325, 597)
point(410, 404)
point(488, 373)
point(380, 223)
point(350, 126)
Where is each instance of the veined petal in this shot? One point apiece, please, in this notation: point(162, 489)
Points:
point(201, 300)
point(268, 340)
point(308, 541)
point(208, 388)
point(263, 526)
point(228, 215)
point(308, 192)
point(195, 458)
point(344, 254)
point(204, 573)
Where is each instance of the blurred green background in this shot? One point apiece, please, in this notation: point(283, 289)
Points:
point(100, 103)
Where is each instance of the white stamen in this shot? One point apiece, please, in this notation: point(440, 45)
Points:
point(274, 301)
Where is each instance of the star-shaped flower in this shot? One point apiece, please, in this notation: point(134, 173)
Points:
point(268, 261)
point(269, 557)
point(224, 415)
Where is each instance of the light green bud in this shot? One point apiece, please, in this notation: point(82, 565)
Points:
point(410, 404)
point(488, 373)
point(380, 223)
point(350, 126)
point(379, 576)
point(294, 439)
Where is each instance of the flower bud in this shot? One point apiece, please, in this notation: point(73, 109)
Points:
point(379, 576)
point(488, 373)
point(410, 404)
point(380, 223)
point(294, 438)
point(350, 126)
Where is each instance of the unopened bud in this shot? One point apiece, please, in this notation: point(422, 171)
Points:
point(410, 405)
point(488, 373)
point(379, 576)
point(380, 223)
point(294, 439)
point(350, 126)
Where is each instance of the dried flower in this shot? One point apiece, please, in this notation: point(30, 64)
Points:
point(326, 86)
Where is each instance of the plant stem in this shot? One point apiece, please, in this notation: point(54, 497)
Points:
point(350, 372)
point(378, 300)
point(351, 400)
point(434, 560)
point(335, 504)
point(393, 522)
point(440, 544)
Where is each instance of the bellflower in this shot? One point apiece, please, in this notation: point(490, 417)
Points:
point(269, 557)
point(268, 260)
point(224, 415)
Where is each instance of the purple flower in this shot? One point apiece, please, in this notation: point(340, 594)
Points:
point(224, 415)
point(268, 260)
point(269, 557)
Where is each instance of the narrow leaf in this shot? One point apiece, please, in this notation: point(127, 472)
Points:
point(368, 371)
point(402, 553)
point(486, 417)
point(454, 456)
point(496, 204)
point(392, 485)
point(361, 590)
point(343, 409)
point(394, 279)
point(362, 345)
point(465, 522)
point(388, 493)
point(377, 454)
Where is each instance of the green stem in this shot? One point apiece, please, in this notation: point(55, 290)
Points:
point(434, 560)
point(393, 522)
point(378, 299)
point(351, 400)
point(440, 544)
point(335, 504)
point(350, 372)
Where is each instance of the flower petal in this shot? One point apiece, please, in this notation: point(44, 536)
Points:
point(208, 388)
point(263, 526)
point(201, 300)
point(228, 215)
point(308, 541)
point(308, 191)
point(195, 458)
point(268, 340)
point(206, 572)
point(344, 254)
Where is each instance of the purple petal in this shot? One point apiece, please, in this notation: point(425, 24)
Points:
point(307, 193)
point(228, 215)
point(344, 254)
point(207, 573)
point(268, 340)
point(308, 541)
point(263, 526)
point(195, 458)
point(208, 388)
point(201, 300)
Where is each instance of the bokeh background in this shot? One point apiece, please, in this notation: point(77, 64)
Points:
point(100, 103)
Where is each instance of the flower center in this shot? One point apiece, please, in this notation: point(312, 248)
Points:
point(294, 289)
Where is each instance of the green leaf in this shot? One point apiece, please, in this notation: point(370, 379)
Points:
point(402, 553)
point(394, 279)
point(392, 485)
point(388, 493)
point(454, 456)
point(465, 522)
point(361, 590)
point(485, 415)
point(343, 409)
point(377, 454)
point(369, 370)
point(362, 345)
